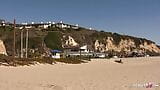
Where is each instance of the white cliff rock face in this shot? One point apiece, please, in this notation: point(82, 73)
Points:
point(99, 46)
point(110, 45)
point(2, 48)
point(151, 47)
point(125, 45)
point(71, 42)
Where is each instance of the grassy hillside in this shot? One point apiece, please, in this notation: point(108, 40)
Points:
point(35, 39)
point(53, 40)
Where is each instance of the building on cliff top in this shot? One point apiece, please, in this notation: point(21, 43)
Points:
point(2, 22)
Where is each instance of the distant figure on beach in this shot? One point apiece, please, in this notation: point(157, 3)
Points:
point(119, 61)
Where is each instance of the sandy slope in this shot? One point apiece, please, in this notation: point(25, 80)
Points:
point(95, 75)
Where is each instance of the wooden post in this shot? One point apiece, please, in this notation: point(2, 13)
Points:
point(14, 39)
point(21, 43)
point(27, 43)
point(80, 54)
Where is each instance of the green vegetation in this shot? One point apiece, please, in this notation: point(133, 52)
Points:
point(9, 61)
point(53, 40)
point(117, 38)
point(53, 29)
point(6, 28)
point(101, 36)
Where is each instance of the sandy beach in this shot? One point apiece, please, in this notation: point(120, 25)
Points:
point(100, 74)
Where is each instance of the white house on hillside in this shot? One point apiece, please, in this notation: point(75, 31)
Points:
point(65, 26)
point(84, 49)
point(2, 22)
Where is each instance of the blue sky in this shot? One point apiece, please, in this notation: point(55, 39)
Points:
point(139, 18)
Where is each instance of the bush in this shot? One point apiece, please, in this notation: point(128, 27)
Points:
point(53, 40)
point(70, 60)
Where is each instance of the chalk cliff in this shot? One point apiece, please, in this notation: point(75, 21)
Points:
point(2, 48)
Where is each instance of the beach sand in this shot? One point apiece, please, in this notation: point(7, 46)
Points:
point(99, 74)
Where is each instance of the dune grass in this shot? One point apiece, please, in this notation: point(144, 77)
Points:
point(10, 61)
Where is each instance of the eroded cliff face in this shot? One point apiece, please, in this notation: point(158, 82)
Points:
point(108, 45)
point(126, 45)
point(69, 42)
point(151, 47)
point(2, 48)
point(104, 42)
